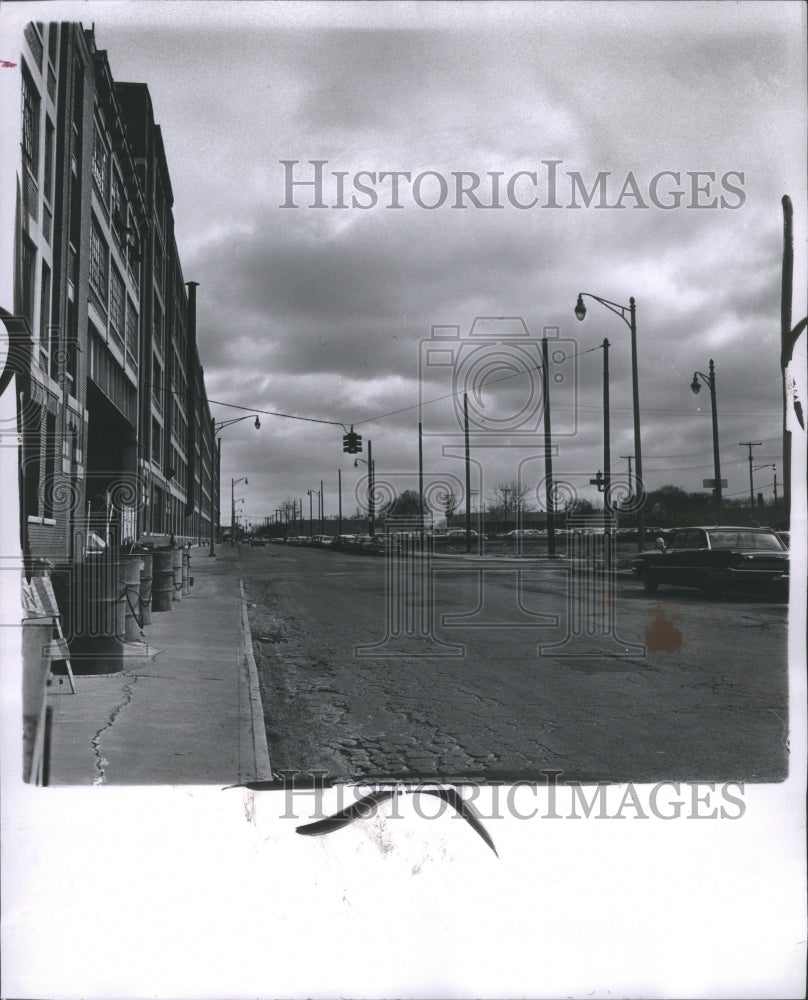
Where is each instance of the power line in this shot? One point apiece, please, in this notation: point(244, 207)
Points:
point(459, 392)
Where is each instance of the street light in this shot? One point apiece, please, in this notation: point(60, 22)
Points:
point(695, 385)
point(233, 483)
point(773, 467)
point(217, 429)
point(311, 515)
point(628, 315)
point(371, 464)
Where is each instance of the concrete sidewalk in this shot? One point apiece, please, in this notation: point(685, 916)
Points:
point(186, 709)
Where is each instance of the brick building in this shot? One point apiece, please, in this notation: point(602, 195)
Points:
point(114, 429)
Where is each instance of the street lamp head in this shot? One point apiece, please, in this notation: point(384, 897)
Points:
point(580, 308)
point(257, 424)
point(695, 385)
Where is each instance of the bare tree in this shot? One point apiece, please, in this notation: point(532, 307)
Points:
point(510, 497)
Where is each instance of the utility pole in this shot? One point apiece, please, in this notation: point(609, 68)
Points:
point(421, 511)
point(468, 470)
point(372, 486)
point(750, 445)
point(548, 451)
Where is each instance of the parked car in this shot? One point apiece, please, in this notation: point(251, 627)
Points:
point(258, 541)
point(716, 559)
point(524, 533)
point(345, 542)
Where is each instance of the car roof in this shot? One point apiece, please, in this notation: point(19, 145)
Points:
point(721, 527)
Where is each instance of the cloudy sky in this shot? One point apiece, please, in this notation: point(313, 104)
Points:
point(321, 312)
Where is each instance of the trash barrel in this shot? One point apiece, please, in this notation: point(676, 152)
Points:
point(145, 595)
point(163, 584)
point(176, 593)
point(93, 601)
point(36, 637)
point(129, 578)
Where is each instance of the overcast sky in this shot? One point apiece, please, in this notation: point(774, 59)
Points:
point(320, 312)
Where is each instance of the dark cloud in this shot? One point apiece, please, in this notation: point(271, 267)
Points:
point(322, 312)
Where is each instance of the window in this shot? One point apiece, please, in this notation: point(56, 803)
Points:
point(100, 164)
point(158, 324)
point(28, 279)
point(50, 464)
point(30, 463)
point(117, 207)
point(71, 343)
point(44, 316)
point(30, 124)
point(117, 308)
point(156, 442)
point(48, 189)
point(131, 333)
point(158, 259)
point(157, 383)
point(99, 263)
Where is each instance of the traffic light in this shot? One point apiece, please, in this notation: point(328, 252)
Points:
point(352, 442)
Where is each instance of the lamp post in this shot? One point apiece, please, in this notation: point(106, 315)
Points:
point(769, 465)
point(628, 315)
point(311, 515)
point(695, 385)
point(370, 463)
point(233, 483)
point(750, 445)
point(214, 478)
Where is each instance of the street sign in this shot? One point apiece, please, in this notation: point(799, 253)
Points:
point(709, 484)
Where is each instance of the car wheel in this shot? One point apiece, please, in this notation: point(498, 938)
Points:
point(706, 585)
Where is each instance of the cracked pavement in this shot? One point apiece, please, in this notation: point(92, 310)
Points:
point(708, 701)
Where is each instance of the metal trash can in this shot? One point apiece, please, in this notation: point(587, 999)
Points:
point(176, 593)
point(163, 585)
point(93, 601)
point(145, 595)
point(129, 578)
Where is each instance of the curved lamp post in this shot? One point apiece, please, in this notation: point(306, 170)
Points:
point(371, 464)
point(628, 315)
point(217, 429)
point(695, 385)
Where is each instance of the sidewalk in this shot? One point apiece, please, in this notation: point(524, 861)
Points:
point(186, 708)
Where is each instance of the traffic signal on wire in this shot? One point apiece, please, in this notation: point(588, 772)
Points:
point(352, 442)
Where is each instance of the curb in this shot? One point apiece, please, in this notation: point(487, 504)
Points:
point(263, 771)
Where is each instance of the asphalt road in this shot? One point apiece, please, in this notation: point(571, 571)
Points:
point(503, 668)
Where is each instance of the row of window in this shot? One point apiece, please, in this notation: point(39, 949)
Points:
point(112, 194)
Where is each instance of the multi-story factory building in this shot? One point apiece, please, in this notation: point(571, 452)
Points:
point(113, 424)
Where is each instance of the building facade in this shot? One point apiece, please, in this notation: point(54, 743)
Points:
point(114, 429)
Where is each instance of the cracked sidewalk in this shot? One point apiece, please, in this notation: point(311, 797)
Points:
point(184, 710)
